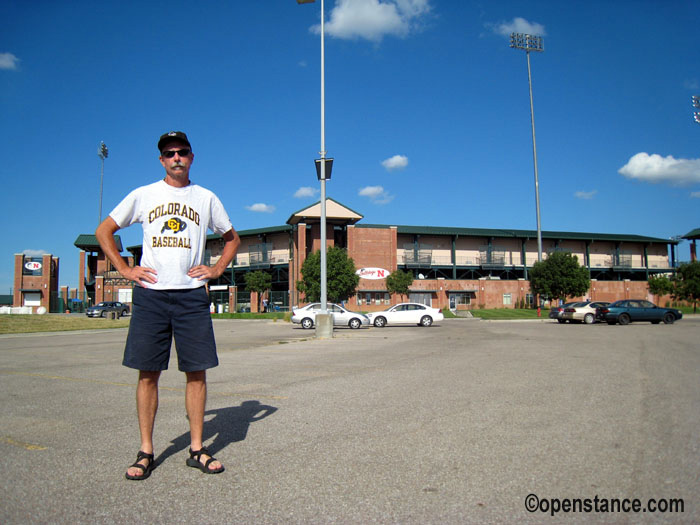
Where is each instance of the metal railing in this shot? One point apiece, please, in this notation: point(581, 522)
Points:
point(244, 259)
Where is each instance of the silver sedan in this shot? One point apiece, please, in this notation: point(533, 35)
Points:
point(306, 316)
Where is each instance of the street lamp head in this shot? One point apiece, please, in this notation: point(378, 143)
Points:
point(328, 168)
point(526, 42)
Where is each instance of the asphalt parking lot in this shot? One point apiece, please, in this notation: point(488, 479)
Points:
point(457, 423)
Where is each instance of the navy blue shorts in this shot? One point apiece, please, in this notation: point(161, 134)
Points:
point(158, 316)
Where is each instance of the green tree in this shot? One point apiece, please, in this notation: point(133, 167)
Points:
point(559, 276)
point(660, 285)
point(341, 279)
point(258, 281)
point(398, 282)
point(687, 283)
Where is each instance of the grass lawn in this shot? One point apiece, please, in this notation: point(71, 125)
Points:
point(509, 313)
point(18, 324)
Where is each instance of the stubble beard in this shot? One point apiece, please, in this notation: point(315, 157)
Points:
point(182, 176)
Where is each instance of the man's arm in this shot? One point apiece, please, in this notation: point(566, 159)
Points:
point(231, 243)
point(105, 236)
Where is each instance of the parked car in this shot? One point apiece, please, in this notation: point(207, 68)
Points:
point(406, 313)
point(633, 310)
point(583, 312)
point(306, 316)
point(555, 312)
point(104, 308)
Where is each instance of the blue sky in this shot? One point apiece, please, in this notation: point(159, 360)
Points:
point(427, 113)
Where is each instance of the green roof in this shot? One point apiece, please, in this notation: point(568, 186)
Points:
point(89, 243)
point(695, 234)
point(261, 231)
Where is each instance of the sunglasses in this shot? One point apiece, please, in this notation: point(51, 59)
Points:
point(169, 154)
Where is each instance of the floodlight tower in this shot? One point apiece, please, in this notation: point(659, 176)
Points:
point(696, 104)
point(531, 43)
point(102, 152)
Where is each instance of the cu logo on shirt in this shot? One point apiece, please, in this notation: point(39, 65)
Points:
point(174, 224)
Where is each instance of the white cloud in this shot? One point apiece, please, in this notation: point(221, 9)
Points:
point(655, 168)
point(306, 191)
point(34, 253)
point(374, 19)
point(519, 25)
point(8, 61)
point(695, 194)
point(586, 195)
point(397, 162)
point(377, 194)
point(261, 208)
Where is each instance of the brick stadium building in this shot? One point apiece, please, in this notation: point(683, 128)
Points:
point(36, 282)
point(459, 268)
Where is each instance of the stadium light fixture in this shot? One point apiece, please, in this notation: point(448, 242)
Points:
point(103, 153)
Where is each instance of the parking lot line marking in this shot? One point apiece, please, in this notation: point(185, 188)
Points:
point(80, 380)
point(22, 444)
point(133, 385)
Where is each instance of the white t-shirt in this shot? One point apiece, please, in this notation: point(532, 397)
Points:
point(175, 222)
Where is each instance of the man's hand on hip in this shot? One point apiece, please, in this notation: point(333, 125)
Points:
point(203, 272)
point(140, 275)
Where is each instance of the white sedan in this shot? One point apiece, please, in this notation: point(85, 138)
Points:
point(406, 313)
point(306, 316)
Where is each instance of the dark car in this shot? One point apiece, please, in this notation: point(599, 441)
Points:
point(556, 312)
point(104, 308)
point(635, 310)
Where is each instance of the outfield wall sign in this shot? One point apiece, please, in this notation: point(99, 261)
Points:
point(373, 273)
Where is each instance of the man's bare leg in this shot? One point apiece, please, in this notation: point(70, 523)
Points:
point(195, 403)
point(146, 406)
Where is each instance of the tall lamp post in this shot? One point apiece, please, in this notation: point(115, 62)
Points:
point(322, 173)
point(531, 43)
point(102, 152)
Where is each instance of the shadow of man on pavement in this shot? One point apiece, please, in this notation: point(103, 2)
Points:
point(229, 425)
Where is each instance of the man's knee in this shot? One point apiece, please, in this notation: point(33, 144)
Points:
point(198, 376)
point(148, 377)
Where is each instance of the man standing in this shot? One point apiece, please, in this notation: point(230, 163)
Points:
point(169, 297)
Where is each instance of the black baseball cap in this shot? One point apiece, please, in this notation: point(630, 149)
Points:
point(173, 136)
